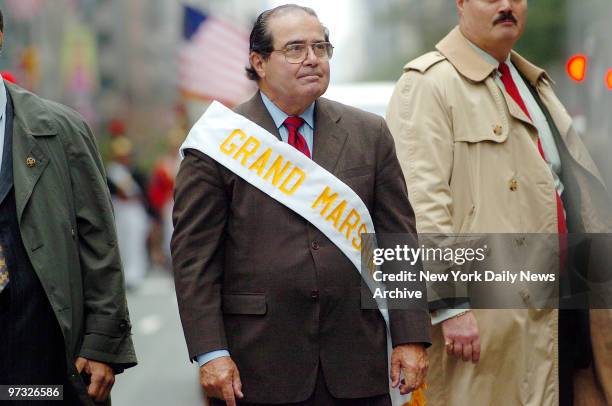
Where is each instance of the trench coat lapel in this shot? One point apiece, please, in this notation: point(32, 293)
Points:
point(456, 48)
point(29, 158)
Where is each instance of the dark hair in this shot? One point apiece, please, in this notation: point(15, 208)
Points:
point(261, 39)
point(1, 22)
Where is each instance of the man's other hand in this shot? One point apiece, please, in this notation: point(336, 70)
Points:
point(220, 379)
point(462, 337)
point(102, 378)
point(411, 359)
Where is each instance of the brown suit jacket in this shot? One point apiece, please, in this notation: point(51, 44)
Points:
point(257, 279)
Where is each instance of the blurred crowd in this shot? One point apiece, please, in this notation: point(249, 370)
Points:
point(142, 200)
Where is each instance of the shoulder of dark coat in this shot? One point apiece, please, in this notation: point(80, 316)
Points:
point(346, 114)
point(424, 62)
point(39, 114)
point(249, 106)
point(65, 117)
point(369, 129)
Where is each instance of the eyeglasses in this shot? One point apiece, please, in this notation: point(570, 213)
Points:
point(297, 53)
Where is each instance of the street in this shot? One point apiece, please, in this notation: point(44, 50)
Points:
point(163, 375)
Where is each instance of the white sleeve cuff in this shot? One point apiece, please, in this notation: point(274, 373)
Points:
point(438, 316)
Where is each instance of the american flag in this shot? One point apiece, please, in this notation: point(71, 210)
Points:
point(24, 10)
point(213, 58)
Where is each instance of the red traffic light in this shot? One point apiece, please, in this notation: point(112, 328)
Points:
point(577, 67)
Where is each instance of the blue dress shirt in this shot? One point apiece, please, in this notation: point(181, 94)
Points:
point(279, 116)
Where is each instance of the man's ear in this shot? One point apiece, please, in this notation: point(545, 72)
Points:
point(1, 40)
point(460, 6)
point(258, 63)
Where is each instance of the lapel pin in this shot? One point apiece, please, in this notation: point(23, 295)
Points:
point(30, 162)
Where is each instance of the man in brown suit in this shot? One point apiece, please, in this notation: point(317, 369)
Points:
point(270, 307)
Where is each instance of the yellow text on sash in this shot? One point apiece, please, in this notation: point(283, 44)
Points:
point(269, 165)
point(345, 220)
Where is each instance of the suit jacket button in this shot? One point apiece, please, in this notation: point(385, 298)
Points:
point(315, 245)
point(314, 295)
point(30, 162)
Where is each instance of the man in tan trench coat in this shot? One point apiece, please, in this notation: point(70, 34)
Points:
point(471, 143)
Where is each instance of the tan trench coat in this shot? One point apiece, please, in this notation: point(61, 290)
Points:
point(470, 158)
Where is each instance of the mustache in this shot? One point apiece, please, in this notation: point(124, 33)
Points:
point(506, 15)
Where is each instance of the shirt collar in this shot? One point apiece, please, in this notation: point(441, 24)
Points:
point(488, 57)
point(2, 97)
point(456, 48)
point(279, 116)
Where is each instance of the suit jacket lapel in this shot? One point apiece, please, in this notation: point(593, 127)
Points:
point(329, 136)
point(255, 110)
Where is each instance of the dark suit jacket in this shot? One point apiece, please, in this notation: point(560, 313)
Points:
point(257, 279)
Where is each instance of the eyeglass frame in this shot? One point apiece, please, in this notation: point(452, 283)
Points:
point(330, 51)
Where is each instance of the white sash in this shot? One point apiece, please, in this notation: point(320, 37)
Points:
point(291, 178)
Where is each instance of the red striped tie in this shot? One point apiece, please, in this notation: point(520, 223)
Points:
point(506, 78)
point(295, 138)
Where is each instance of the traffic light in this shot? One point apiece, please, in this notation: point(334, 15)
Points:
point(577, 67)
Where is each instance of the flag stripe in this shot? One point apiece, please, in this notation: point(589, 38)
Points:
point(212, 62)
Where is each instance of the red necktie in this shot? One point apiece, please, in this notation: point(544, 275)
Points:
point(506, 78)
point(295, 138)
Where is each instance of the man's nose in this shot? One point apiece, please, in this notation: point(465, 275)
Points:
point(311, 58)
point(505, 5)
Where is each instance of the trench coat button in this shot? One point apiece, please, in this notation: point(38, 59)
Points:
point(72, 232)
point(497, 130)
point(30, 162)
point(315, 245)
point(514, 185)
point(123, 326)
point(314, 295)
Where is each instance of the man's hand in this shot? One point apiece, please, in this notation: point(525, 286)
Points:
point(461, 337)
point(220, 379)
point(412, 360)
point(102, 378)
